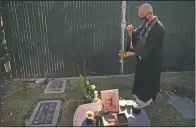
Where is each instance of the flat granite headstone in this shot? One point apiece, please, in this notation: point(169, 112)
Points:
point(45, 113)
point(184, 105)
point(56, 86)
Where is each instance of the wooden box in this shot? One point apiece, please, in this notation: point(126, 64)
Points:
point(115, 119)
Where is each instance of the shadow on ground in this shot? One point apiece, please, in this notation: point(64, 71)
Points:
point(18, 106)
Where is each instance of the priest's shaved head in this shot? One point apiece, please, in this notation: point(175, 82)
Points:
point(145, 11)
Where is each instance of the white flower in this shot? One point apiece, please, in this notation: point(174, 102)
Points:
point(87, 82)
point(93, 87)
point(130, 102)
point(95, 95)
point(122, 103)
point(95, 92)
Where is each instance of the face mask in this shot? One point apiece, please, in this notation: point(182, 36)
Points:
point(144, 18)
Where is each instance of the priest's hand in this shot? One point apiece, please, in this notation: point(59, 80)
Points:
point(130, 28)
point(125, 55)
point(121, 54)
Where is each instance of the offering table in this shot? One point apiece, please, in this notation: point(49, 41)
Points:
point(140, 120)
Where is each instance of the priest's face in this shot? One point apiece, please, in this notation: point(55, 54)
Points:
point(143, 14)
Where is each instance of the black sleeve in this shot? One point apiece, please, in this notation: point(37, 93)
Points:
point(134, 38)
point(154, 40)
point(128, 44)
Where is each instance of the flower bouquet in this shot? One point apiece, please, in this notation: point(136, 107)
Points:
point(89, 91)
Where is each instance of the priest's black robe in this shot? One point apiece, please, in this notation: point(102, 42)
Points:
point(148, 69)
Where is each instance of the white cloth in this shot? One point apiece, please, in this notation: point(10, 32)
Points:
point(141, 103)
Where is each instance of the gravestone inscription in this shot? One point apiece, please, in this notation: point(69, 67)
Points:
point(56, 86)
point(45, 113)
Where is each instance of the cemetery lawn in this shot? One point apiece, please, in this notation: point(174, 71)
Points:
point(17, 107)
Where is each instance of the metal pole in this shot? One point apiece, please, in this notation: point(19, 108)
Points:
point(123, 26)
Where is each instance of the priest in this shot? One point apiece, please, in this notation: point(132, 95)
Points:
point(145, 42)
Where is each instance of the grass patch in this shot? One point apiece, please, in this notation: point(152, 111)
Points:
point(22, 103)
point(67, 113)
point(163, 114)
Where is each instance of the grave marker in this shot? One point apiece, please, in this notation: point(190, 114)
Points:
point(45, 113)
point(184, 105)
point(56, 86)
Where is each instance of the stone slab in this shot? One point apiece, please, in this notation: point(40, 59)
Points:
point(45, 114)
point(184, 105)
point(56, 86)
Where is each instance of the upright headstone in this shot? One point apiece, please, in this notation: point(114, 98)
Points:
point(56, 86)
point(45, 114)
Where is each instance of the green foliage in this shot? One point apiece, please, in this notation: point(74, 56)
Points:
point(89, 91)
point(86, 86)
point(82, 82)
point(84, 74)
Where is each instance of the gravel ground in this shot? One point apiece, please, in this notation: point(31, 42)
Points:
point(20, 98)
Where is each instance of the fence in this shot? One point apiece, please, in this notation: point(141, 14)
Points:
point(49, 38)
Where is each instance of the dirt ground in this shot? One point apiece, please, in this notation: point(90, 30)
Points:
point(20, 98)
